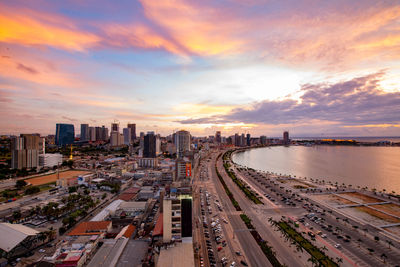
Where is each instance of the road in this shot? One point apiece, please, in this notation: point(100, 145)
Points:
point(252, 251)
point(352, 254)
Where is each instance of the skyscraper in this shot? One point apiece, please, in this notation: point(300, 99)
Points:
point(84, 132)
point(115, 127)
point(127, 135)
point(218, 137)
point(182, 142)
point(149, 149)
point(286, 139)
point(92, 135)
point(25, 151)
point(248, 139)
point(132, 126)
point(65, 134)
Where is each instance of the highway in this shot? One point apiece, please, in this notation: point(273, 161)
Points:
point(252, 251)
point(284, 253)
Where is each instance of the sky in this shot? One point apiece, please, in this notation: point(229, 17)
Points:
point(314, 68)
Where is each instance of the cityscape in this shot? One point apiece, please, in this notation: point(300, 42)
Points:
point(182, 133)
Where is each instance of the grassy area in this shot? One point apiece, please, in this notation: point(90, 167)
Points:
point(314, 251)
point(249, 194)
point(266, 249)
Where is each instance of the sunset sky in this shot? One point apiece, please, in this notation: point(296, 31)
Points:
point(315, 68)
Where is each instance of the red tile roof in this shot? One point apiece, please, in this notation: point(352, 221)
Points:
point(90, 228)
point(158, 229)
point(129, 232)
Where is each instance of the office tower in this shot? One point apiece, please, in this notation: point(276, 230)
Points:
point(248, 139)
point(65, 134)
point(42, 145)
point(263, 140)
point(242, 140)
point(25, 151)
point(158, 144)
point(149, 145)
point(132, 126)
point(101, 133)
point(85, 132)
point(182, 142)
point(177, 217)
point(116, 139)
point(127, 132)
point(183, 168)
point(92, 134)
point(218, 137)
point(237, 140)
point(115, 127)
point(286, 139)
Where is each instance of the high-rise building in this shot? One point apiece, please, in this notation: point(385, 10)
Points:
point(286, 139)
point(149, 145)
point(127, 136)
point(65, 134)
point(177, 217)
point(263, 140)
point(182, 142)
point(85, 132)
point(25, 151)
point(218, 137)
point(248, 139)
point(115, 127)
point(132, 126)
point(116, 139)
point(101, 133)
point(92, 134)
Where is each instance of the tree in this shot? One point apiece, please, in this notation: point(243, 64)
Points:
point(389, 243)
point(376, 238)
point(370, 250)
point(32, 190)
point(20, 183)
point(384, 257)
point(17, 215)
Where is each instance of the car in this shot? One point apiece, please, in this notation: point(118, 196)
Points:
point(243, 263)
point(338, 246)
point(233, 264)
point(323, 235)
point(238, 253)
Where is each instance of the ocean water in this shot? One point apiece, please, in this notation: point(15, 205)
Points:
point(374, 167)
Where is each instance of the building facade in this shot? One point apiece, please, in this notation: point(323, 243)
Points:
point(65, 134)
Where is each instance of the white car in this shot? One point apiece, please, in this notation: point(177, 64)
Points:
point(338, 246)
point(233, 264)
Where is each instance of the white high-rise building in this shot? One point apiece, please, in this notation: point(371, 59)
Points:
point(182, 142)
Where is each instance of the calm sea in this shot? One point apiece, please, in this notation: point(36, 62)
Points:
point(375, 167)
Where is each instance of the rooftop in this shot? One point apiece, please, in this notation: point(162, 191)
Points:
point(13, 234)
point(90, 228)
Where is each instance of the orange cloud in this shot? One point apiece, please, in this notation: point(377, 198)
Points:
point(140, 36)
point(32, 29)
point(199, 30)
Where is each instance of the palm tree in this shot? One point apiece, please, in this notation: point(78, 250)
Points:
point(389, 243)
point(365, 231)
point(384, 257)
point(339, 260)
point(313, 260)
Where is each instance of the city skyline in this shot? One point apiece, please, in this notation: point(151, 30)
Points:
point(314, 69)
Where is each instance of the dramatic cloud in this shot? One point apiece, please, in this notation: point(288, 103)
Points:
point(355, 102)
point(229, 64)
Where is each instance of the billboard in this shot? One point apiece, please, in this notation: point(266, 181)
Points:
point(188, 169)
